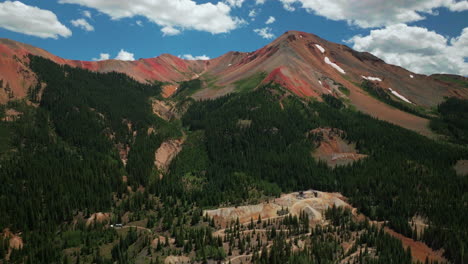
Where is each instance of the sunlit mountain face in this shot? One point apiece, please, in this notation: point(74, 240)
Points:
point(279, 131)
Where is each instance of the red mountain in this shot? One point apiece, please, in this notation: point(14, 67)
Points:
point(303, 63)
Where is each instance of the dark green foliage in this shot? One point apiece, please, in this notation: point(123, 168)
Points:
point(33, 93)
point(380, 94)
point(5, 136)
point(250, 83)
point(459, 80)
point(333, 101)
point(344, 90)
point(188, 88)
point(141, 158)
point(261, 156)
point(453, 120)
point(119, 251)
point(3, 247)
point(2, 111)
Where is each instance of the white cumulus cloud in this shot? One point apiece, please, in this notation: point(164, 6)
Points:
point(125, 56)
point(87, 14)
point(83, 24)
point(31, 20)
point(169, 14)
point(375, 13)
point(102, 56)
point(270, 20)
point(191, 57)
point(170, 31)
point(417, 49)
point(235, 3)
point(264, 32)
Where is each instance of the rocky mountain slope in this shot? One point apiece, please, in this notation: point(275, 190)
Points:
point(303, 63)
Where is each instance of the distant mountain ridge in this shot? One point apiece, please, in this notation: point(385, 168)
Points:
point(305, 64)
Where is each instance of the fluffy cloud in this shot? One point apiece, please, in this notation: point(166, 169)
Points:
point(83, 24)
point(191, 57)
point(253, 13)
point(125, 56)
point(270, 20)
point(30, 20)
point(264, 32)
point(417, 49)
point(171, 15)
point(235, 3)
point(375, 13)
point(87, 14)
point(102, 56)
point(170, 31)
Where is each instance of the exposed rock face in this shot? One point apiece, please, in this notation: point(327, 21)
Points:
point(462, 167)
point(11, 115)
point(332, 148)
point(166, 153)
point(177, 260)
point(163, 109)
point(15, 241)
point(98, 218)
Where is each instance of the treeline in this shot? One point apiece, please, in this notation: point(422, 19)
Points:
point(453, 120)
point(379, 93)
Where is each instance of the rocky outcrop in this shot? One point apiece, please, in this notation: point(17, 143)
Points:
point(166, 153)
point(332, 148)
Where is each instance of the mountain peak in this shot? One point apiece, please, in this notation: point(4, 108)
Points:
point(303, 63)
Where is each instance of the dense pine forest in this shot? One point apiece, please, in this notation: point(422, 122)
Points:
point(405, 175)
point(85, 143)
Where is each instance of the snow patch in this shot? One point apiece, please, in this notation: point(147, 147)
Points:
point(320, 48)
point(338, 68)
point(320, 82)
point(399, 96)
point(373, 79)
point(411, 76)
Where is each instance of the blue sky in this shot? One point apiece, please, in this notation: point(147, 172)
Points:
point(426, 36)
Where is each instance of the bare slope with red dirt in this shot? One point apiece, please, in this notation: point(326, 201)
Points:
point(307, 65)
point(304, 62)
point(15, 72)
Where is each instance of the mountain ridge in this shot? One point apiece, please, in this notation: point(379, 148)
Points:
point(304, 63)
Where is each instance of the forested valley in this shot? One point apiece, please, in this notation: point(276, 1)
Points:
point(85, 143)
